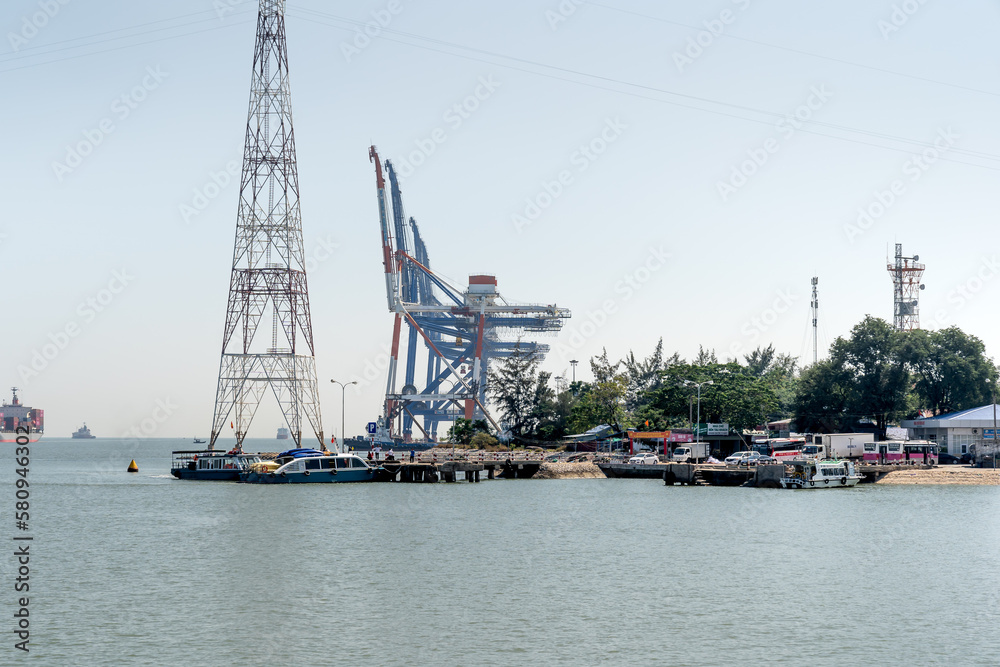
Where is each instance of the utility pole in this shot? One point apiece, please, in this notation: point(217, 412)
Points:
point(815, 315)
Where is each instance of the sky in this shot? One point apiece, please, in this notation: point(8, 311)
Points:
point(674, 170)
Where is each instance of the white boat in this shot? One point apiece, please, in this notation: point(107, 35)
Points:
point(309, 466)
point(816, 474)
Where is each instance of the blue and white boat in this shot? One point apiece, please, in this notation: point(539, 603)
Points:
point(310, 466)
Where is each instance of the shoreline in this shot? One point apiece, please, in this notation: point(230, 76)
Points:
point(944, 476)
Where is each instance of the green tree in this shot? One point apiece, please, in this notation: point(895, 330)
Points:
point(484, 441)
point(780, 371)
point(642, 376)
point(737, 396)
point(463, 430)
point(822, 399)
point(520, 390)
point(950, 369)
point(880, 381)
point(556, 412)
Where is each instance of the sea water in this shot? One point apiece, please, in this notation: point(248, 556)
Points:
point(145, 569)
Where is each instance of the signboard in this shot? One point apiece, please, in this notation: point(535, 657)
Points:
point(712, 429)
point(371, 427)
point(680, 437)
point(989, 434)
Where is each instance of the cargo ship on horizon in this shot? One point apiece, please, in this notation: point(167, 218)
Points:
point(15, 417)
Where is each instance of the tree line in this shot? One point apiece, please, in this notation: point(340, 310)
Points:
point(876, 375)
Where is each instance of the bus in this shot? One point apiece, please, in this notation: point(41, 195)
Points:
point(782, 449)
point(900, 451)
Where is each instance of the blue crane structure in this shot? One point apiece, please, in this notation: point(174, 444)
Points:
point(462, 329)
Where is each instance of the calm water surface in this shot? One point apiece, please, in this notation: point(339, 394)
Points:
point(145, 569)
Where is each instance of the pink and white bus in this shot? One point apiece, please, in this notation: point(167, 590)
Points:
point(900, 451)
point(920, 452)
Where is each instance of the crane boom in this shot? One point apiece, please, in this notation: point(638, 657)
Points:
point(391, 289)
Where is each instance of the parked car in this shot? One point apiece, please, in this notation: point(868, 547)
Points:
point(644, 459)
point(756, 459)
point(948, 459)
point(735, 459)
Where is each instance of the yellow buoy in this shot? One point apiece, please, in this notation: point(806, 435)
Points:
point(132, 467)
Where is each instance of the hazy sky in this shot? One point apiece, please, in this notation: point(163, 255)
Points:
point(674, 169)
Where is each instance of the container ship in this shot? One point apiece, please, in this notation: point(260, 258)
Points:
point(15, 416)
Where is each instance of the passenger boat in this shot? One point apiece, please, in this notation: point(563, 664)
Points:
point(816, 474)
point(211, 465)
point(309, 466)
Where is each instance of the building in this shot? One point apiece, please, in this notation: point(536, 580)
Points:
point(955, 432)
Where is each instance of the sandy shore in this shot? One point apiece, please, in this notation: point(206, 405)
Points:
point(568, 471)
point(944, 475)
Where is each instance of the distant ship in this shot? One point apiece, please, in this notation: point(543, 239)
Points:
point(283, 433)
point(83, 433)
point(16, 418)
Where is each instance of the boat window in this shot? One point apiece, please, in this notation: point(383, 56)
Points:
point(312, 464)
point(358, 463)
point(343, 462)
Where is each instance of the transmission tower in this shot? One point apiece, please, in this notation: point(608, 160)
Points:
point(906, 273)
point(269, 276)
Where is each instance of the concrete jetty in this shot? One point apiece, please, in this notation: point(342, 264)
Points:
point(451, 471)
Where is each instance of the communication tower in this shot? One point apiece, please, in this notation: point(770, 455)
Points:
point(906, 273)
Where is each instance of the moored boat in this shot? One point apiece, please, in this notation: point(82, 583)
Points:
point(309, 466)
point(211, 465)
point(816, 474)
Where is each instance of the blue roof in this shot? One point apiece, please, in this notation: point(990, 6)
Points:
point(981, 413)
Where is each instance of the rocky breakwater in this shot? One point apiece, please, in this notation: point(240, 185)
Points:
point(580, 470)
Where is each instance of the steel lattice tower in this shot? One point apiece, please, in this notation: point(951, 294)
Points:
point(269, 274)
point(906, 286)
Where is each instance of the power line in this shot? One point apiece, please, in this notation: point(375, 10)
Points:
point(109, 40)
point(774, 115)
point(799, 52)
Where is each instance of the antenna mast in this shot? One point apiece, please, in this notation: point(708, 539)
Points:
point(815, 313)
point(906, 273)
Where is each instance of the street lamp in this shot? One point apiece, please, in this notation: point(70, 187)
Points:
point(343, 400)
point(697, 431)
point(573, 363)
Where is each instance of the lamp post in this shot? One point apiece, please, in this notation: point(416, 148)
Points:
point(573, 363)
point(697, 432)
point(343, 402)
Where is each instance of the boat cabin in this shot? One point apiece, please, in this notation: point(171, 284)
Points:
point(210, 464)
